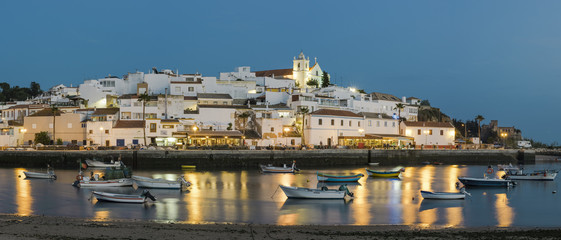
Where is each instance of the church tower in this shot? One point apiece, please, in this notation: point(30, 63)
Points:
point(301, 69)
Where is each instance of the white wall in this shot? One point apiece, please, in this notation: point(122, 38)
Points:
point(314, 133)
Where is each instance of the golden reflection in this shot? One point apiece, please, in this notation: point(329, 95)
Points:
point(193, 199)
point(454, 216)
point(504, 213)
point(452, 172)
point(24, 200)
point(101, 215)
point(287, 219)
point(427, 175)
point(170, 208)
point(362, 198)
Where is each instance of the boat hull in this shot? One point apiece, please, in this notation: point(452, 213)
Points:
point(339, 178)
point(442, 195)
point(98, 164)
point(383, 174)
point(122, 182)
point(145, 182)
point(536, 177)
point(120, 198)
point(270, 169)
point(482, 182)
point(39, 175)
point(310, 193)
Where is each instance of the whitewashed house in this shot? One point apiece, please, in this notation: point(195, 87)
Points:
point(430, 134)
point(328, 127)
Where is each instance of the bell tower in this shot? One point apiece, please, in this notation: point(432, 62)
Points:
point(301, 69)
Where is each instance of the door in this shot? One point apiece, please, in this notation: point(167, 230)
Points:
point(120, 142)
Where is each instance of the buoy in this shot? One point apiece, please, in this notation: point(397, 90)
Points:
point(554, 191)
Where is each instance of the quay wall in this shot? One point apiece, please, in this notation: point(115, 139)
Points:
point(241, 159)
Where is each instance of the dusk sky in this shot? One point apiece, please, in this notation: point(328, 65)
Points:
point(499, 59)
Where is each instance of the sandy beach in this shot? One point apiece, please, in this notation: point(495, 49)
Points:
point(43, 227)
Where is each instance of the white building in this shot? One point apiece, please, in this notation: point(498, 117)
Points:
point(430, 134)
point(329, 127)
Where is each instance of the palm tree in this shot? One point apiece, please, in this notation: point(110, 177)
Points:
point(143, 98)
point(85, 102)
point(303, 110)
point(244, 116)
point(399, 107)
point(479, 118)
point(54, 110)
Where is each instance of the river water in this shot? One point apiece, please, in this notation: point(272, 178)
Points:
point(251, 197)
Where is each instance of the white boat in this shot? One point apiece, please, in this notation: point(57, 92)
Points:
point(99, 164)
point(314, 193)
point(146, 182)
point(503, 167)
point(541, 175)
point(123, 198)
point(486, 182)
point(284, 169)
point(444, 195)
point(93, 182)
point(50, 174)
point(373, 164)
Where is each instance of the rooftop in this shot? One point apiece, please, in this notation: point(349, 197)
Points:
point(332, 112)
point(129, 124)
point(272, 73)
point(429, 124)
point(214, 95)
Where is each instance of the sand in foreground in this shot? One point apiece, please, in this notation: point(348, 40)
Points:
point(41, 227)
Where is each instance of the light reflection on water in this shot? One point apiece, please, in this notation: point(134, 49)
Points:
point(252, 197)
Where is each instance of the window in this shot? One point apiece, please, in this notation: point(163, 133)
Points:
point(319, 121)
point(50, 125)
point(306, 122)
point(430, 132)
point(332, 122)
point(341, 122)
point(167, 126)
point(91, 131)
point(418, 131)
point(177, 89)
point(69, 125)
point(350, 123)
point(393, 124)
point(191, 89)
point(272, 129)
point(385, 123)
point(370, 123)
point(34, 126)
point(358, 123)
point(75, 142)
point(215, 102)
point(106, 131)
point(377, 123)
point(441, 132)
point(152, 127)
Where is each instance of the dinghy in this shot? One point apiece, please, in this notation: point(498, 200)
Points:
point(87, 182)
point(540, 175)
point(123, 198)
point(50, 174)
point(284, 169)
point(322, 177)
point(99, 164)
point(385, 174)
point(146, 182)
point(312, 193)
point(444, 195)
point(373, 164)
point(486, 182)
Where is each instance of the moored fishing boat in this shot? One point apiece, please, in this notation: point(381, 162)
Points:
point(373, 164)
point(123, 198)
point(444, 195)
point(88, 182)
point(322, 177)
point(284, 169)
point(50, 174)
point(313, 193)
point(486, 182)
point(540, 175)
point(100, 164)
point(146, 182)
point(385, 174)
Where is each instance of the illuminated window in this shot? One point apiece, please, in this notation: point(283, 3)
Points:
point(152, 127)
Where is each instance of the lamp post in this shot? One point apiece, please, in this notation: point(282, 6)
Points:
point(100, 136)
point(504, 136)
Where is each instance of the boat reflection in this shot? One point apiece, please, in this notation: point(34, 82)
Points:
point(24, 200)
point(301, 211)
point(337, 184)
point(428, 204)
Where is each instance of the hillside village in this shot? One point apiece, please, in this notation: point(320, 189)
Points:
point(281, 108)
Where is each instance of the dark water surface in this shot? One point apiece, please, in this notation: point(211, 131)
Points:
point(252, 197)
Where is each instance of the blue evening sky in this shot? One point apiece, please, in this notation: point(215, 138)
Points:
point(500, 59)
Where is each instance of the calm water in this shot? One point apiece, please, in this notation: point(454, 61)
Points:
point(252, 197)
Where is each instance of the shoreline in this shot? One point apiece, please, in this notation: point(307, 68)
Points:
point(48, 227)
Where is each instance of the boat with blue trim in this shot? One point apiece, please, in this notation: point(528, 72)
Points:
point(322, 177)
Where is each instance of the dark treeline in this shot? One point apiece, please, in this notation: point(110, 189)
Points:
point(16, 93)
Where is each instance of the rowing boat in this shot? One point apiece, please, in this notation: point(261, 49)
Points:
point(146, 182)
point(385, 174)
point(284, 169)
point(123, 198)
point(322, 177)
point(313, 193)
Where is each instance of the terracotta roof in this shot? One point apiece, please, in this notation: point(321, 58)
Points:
point(428, 124)
point(375, 115)
point(35, 106)
point(214, 95)
point(129, 124)
point(332, 112)
point(105, 111)
point(189, 98)
point(44, 112)
point(384, 96)
point(276, 72)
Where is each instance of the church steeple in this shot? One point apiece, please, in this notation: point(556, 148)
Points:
point(301, 69)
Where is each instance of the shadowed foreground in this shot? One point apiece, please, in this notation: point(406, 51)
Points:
point(41, 227)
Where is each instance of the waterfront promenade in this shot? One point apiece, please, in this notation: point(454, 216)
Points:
point(243, 159)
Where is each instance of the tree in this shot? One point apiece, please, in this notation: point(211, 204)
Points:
point(479, 118)
point(325, 80)
point(244, 116)
point(35, 89)
point(54, 110)
point(85, 102)
point(425, 103)
point(143, 98)
point(303, 111)
point(42, 138)
point(313, 82)
point(59, 141)
point(399, 107)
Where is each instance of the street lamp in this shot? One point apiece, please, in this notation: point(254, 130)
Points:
point(100, 136)
point(504, 135)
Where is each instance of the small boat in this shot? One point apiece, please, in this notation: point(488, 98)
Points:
point(99, 164)
point(313, 193)
point(373, 164)
point(188, 167)
point(322, 177)
point(444, 195)
point(146, 182)
point(540, 175)
point(284, 169)
point(385, 174)
point(50, 174)
point(86, 182)
point(425, 163)
point(486, 182)
point(437, 163)
point(123, 198)
point(502, 167)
